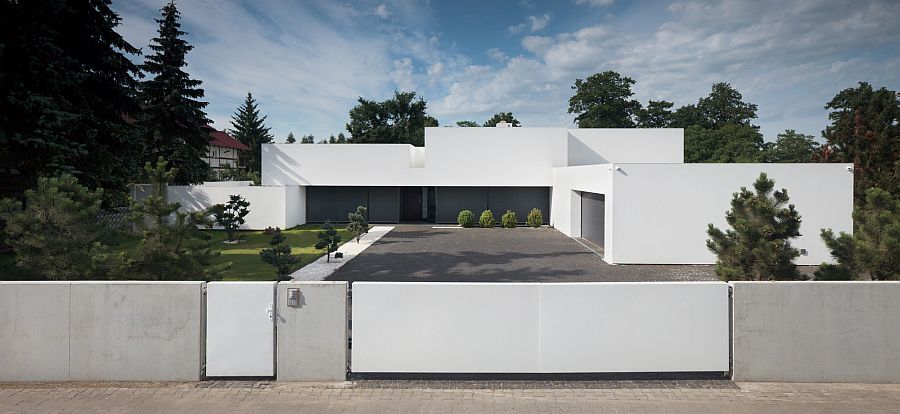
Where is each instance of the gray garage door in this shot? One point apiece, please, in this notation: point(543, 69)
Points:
point(593, 210)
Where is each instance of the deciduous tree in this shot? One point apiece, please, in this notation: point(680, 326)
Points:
point(730, 143)
point(399, 120)
point(502, 117)
point(467, 124)
point(657, 114)
point(865, 130)
point(603, 100)
point(791, 146)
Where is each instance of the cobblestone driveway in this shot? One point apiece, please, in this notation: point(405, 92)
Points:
point(250, 397)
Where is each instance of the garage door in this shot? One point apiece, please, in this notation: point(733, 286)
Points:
point(593, 210)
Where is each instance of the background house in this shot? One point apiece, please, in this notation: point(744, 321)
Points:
point(224, 151)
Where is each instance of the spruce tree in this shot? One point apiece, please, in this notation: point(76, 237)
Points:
point(290, 138)
point(173, 119)
point(66, 88)
point(308, 139)
point(757, 246)
point(249, 128)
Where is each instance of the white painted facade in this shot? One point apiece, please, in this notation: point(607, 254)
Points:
point(656, 207)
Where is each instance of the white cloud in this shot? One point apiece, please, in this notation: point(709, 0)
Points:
point(436, 70)
point(534, 23)
point(594, 3)
point(381, 11)
point(402, 75)
point(789, 58)
point(497, 55)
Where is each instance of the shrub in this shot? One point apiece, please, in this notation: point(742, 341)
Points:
point(231, 215)
point(279, 256)
point(487, 219)
point(357, 224)
point(508, 220)
point(535, 218)
point(328, 239)
point(466, 218)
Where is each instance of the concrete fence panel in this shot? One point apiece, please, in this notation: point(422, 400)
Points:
point(116, 331)
point(312, 332)
point(817, 331)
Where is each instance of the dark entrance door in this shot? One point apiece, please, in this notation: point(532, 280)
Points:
point(412, 204)
point(593, 211)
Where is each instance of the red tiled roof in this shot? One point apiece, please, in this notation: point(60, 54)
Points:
point(222, 139)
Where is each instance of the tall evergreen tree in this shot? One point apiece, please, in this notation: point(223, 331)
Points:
point(249, 128)
point(173, 118)
point(307, 139)
point(66, 86)
point(290, 138)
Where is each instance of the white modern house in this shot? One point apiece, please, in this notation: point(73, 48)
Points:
point(627, 191)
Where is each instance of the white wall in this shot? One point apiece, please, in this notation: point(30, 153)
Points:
point(540, 328)
point(565, 209)
point(294, 205)
point(817, 331)
point(267, 204)
point(661, 211)
point(467, 157)
point(599, 146)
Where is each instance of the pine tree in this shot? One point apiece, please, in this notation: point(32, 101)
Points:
point(249, 128)
point(66, 84)
point(873, 250)
point(279, 256)
point(328, 239)
point(290, 138)
point(231, 215)
point(55, 234)
point(307, 139)
point(173, 119)
point(757, 247)
point(174, 246)
point(342, 139)
point(357, 224)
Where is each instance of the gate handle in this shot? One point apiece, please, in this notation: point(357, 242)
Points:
point(269, 312)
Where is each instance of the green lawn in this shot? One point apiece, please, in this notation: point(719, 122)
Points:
point(244, 256)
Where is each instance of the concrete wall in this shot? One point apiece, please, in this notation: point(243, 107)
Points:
point(312, 338)
point(96, 331)
point(661, 211)
point(268, 205)
point(294, 206)
point(817, 331)
point(539, 328)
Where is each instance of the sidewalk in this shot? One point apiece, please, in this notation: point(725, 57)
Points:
point(322, 268)
point(248, 397)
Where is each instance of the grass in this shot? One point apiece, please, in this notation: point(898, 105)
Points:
point(244, 256)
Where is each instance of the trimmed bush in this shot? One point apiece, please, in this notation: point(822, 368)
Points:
point(508, 220)
point(466, 219)
point(535, 218)
point(487, 219)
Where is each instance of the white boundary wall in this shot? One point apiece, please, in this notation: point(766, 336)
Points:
point(283, 206)
point(817, 331)
point(660, 212)
point(540, 328)
point(101, 331)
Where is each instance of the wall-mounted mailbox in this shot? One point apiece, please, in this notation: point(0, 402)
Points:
point(293, 297)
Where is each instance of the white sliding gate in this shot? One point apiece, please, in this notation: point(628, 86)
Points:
point(540, 328)
point(240, 329)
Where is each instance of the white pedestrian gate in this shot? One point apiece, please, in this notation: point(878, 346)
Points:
point(240, 329)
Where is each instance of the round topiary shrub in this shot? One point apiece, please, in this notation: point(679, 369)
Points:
point(466, 219)
point(487, 219)
point(535, 218)
point(508, 220)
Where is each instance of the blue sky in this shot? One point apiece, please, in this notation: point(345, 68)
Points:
point(308, 61)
